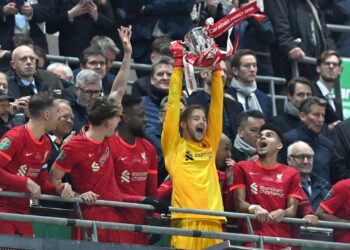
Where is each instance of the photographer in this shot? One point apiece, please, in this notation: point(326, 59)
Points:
point(78, 21)
point(24, 17)
point(10, 109)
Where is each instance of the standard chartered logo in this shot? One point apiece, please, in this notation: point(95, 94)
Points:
point(125, 176)
point(254, 188)
point(22, 170)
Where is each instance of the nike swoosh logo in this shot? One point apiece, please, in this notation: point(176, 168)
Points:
point(91, 154)
point(123, 158)
point(251, 173)
point(29, 154)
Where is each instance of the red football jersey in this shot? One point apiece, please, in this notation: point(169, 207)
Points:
point(337, 202)
point(136, 171)
point(22, 157)
point(91, 166)
point(270, 188)
point(136, 175)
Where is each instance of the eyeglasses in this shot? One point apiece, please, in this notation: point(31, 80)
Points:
point(95, 63)
point(301, 157)
point(329, 64)
point(90, 92)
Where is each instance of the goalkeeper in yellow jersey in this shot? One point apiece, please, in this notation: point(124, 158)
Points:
point(190, 157)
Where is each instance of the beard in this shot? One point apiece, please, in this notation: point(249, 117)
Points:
point(138, 132)
point(329, 79)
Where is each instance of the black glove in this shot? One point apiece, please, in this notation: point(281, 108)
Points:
point(159, 205)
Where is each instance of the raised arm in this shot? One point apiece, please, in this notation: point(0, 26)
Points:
point(216, 108)
point(170, 133)
point(121, 80)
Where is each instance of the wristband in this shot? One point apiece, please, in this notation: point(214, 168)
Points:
point(252, 208)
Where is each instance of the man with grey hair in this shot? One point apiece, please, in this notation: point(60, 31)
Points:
point(300, 156)
point(312, 116)
point(63, 71)
point(88, 85)
point(88, 88)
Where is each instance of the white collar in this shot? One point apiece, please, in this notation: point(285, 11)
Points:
point(323, 88)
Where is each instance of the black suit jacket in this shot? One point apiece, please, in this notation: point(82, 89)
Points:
point(331, 115)
point(320, 188)
point(42, 12)
point(44, 81)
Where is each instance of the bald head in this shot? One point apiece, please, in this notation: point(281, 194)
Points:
point(300, 157)
point(224, 151)
point(24, 62)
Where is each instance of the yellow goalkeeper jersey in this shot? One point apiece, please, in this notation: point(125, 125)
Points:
point(191, 165)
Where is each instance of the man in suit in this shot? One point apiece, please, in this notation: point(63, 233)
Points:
point(329, 67)
point(24, 77)
point(300, 157)
point(244, 87)
point(312, 113)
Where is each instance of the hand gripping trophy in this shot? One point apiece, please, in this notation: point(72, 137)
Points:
point(202, 54)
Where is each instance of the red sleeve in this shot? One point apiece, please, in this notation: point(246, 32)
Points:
point(165, 190)
point(66, 160)
point(238, 177)
point(334, 200)
point(9, 148)
point(294, 190)
point(12, 182)
point(304, 206)
point(131, 198)
point(152, 177)
point(44, 182)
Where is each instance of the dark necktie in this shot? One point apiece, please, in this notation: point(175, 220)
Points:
point(307, 186)
point(247, 103)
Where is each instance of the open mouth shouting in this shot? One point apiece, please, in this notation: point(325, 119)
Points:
point(200, 130)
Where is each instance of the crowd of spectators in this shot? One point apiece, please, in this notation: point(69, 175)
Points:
point(72, 120)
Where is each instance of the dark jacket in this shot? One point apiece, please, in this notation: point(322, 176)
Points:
point(331, 115)
point(257, 35)
point(44, 81)
point(80, 116)
point(264, 101)
point(238, 155)
point(76, 36)
point(42, 12)
point(320, 188)
point(231, 111)
point(291, 20)
point(286, 122)
point(141, 86)
point(341, 162)
point(338, 12)
point(322, 146)
point(154, 136)
point(174, 16)
point(151, 102)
